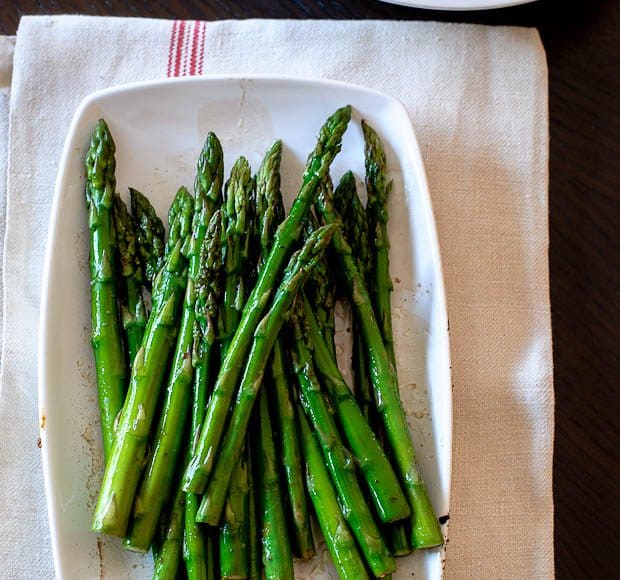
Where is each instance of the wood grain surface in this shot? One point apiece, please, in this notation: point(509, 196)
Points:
point(582, 40)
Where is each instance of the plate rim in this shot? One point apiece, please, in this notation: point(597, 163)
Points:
point(470, 6)
point(55, 215)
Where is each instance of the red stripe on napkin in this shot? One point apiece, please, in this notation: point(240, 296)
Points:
point(201, 49)
point(178, 57)
point(186, 50)
point(171, 49)
point(195, 36)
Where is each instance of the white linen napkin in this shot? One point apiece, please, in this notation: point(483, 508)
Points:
point(477, 97)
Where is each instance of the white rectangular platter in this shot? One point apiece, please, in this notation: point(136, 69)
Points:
point(159, 129)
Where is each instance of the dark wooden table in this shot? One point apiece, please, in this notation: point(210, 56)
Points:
point(582, 40)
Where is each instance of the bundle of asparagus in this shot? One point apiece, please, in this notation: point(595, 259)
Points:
point(242, 312)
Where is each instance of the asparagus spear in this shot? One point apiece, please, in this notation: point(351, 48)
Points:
point(207, 187)
point(337, 457)
point(328, 145)
point(275, 550)
point(347, 203)
point(235, 528)
point(156, 484)
point(150, 233)
point(208, 290)
point(254, 543)
point(234, 531)
point(269, 205)
point(322, 289)
point(290, 454)
point(255, 569)
point(355, 230)
point(270, 213)
point(106, 332)
point(338, 537)
point(378, 277)
point(238, 193)
point(128, 452)
point(277, 555)
point(295, 275)
point(133, 311)
point(378, 190)
point(425, 532)
point(160, 534)
point(157, 481)
point(375, 468)
point(169, 554)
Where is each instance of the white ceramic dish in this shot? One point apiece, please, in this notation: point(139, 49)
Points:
point(159, 128)
point(458, 4)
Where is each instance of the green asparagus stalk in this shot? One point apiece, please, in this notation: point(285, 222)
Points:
point(274, 546)
point(328, 145)
point(269, 205)
point(385, 490)
point(238, 194)
point(290, 454)
point(363, 388)
point(270, 213)
point(160, 534)
point(207, 188)
point(254, 544)
point(253, 521)
point(235, 528)
point(295, 275)
point(425, 532)
point(277, 555)
point(378, 190)
point(338, 459)
point(157, 482)
point(106, 331)
point(150, 233)
point(168, 556)
point(208, 293)
point(322, 290)
point(378, 277)
point(355, 227)
point(207, 288)
point(234, 532)
point(127, 455)
point(338, 537)
point(347, 203)
point(133, 311)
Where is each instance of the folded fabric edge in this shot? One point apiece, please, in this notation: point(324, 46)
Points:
point(7, 49)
